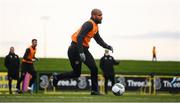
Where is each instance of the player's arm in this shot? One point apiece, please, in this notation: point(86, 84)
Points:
point(115, 62)
point(6, 61)
point(101, 42)
point(18, 60)
point(86, 27)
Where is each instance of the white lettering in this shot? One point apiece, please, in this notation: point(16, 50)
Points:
point(132, 83)
point(167, 83)
point(176, 85)
point(70, 82)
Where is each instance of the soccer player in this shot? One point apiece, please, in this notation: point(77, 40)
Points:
point(12, 64)
point(27, 64)
point(154, 58)
point(78, 52)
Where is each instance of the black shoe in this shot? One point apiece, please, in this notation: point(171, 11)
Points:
point(18, 92)
point(95, 93)
point(54, 79)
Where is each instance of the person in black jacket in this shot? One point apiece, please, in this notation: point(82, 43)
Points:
point(12, 63)
point(106, 64)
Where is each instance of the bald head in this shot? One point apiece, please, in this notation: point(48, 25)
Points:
point(96, 12)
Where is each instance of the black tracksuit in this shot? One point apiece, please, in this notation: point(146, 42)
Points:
point(106, 64)
point(12, 64)
point(73, 54)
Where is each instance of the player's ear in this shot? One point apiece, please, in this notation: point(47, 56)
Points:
point(94, 16)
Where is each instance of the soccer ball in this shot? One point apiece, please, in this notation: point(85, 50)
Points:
point(118, 89)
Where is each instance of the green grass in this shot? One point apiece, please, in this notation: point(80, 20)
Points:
point(126, 66)
point(71, 97)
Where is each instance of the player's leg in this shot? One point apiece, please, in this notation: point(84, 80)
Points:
point(90, 63)
point(10, 82)
point(19, 82)
point(112, 79)
point(155, 58)
point(106, 84)
point(73, 55)
point(33, 75)
point(21, 78)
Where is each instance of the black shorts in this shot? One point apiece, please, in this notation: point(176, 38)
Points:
point(13, 75)
point(27, 67)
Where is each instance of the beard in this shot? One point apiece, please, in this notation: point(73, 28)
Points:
point(98, 21)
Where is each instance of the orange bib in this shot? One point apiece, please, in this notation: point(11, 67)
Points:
point(88, 37)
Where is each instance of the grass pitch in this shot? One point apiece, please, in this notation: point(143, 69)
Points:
point(125, 66)
point(86, 97)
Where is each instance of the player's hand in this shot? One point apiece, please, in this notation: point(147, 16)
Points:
point(33, 60)
point(110, 48)
point(82, 57)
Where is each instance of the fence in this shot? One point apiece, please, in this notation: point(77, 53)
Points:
point(143, 84)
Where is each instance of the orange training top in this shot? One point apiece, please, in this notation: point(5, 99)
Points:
point(30, 56)
point(88, 37)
